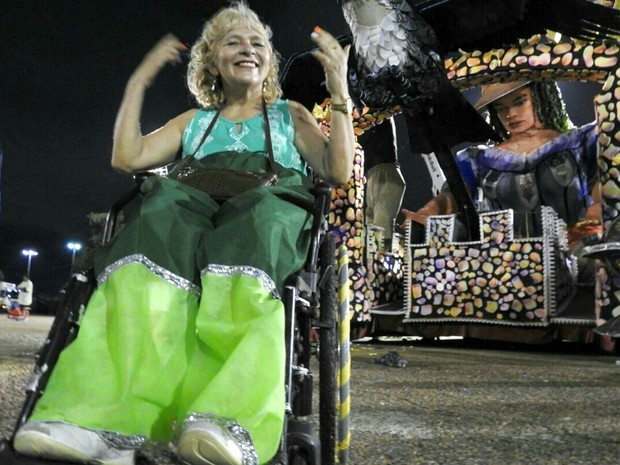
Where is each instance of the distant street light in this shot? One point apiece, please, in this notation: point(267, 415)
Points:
point(29, 253)
point(73, 247)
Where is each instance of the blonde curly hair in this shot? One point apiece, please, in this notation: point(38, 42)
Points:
point(202, 84)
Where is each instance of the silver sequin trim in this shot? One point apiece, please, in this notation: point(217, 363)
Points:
point(238, 433)
point(157, 270)
point(116, 440)
point(120, 441)
point(231, 270)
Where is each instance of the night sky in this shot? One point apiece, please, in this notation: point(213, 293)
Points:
point(63, 68)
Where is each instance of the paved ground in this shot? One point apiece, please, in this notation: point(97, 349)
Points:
point(455, 402)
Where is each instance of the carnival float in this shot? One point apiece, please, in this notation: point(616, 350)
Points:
point(484, 282)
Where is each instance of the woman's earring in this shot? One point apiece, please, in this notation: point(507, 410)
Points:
point(264, 86)
point(215, 83)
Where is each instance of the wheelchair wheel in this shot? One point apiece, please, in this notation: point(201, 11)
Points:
point(328, 351)
point(301, 458)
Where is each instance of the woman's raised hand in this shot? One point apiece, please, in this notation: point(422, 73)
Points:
point(167, 50)
point(334, 59)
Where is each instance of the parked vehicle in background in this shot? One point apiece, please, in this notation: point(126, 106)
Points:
point(8, 294)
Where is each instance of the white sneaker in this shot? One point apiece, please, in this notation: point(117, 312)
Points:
point(215, 441)
point(65, 442)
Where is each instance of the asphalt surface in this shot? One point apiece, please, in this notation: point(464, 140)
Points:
point(454, 403)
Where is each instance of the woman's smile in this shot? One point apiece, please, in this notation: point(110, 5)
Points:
point(247, 64)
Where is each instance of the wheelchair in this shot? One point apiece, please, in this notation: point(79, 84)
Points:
point(310, 303)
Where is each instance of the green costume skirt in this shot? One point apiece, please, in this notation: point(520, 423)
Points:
point(186, 319)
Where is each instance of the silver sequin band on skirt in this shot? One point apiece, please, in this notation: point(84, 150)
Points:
point(154, 268)
point(231, 270)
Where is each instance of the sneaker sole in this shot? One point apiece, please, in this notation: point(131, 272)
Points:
point(196, 448)
point(40, 445)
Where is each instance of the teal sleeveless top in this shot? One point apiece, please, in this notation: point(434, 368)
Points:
point(226, 137)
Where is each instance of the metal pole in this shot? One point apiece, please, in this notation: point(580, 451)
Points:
point(344, 433)
point(29, 253)
point(73, 247)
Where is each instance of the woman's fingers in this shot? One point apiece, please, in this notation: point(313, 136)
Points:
point(329, 51)
point(333, 57)
point(167, 50)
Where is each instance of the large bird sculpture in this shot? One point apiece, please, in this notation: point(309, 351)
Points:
point(397, 62)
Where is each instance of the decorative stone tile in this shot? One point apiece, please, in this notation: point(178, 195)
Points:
point(495, 280)
point(385, 270)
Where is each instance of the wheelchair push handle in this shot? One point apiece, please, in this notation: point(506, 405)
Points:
point(111, 220)
point(322, 197)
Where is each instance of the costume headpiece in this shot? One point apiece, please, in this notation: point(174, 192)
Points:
point(492, 92)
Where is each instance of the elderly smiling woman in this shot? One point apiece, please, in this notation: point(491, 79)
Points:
point(183, 338)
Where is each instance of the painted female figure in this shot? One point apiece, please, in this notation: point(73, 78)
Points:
point(542, 160)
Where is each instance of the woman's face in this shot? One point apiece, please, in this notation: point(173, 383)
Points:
point(516, 111)
point(243, 58)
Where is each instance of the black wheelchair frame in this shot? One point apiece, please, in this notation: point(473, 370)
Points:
point(310, 306)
